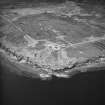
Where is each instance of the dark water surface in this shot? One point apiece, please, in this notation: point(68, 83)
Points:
point(81, 89)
